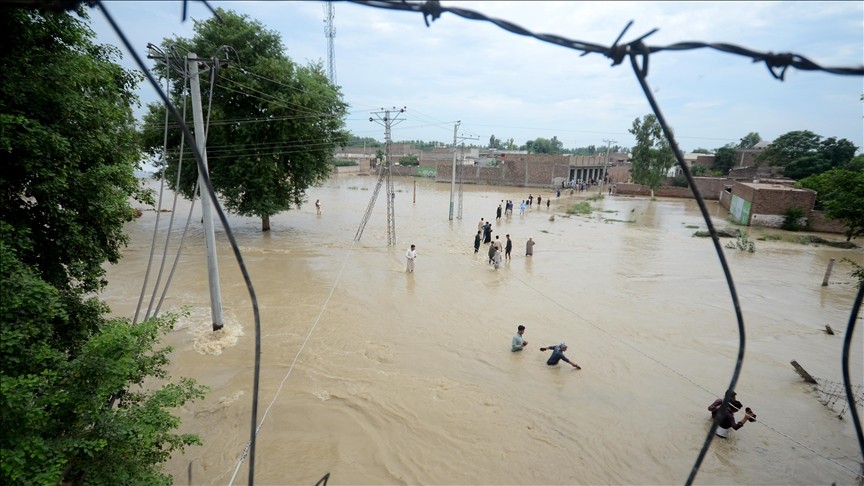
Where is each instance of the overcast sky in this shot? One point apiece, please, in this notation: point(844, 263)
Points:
point(511, 86)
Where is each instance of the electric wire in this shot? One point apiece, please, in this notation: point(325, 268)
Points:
point(297, 356)
point(158, 213)
point(844, 363)
point(173, 209)
point(205, 179)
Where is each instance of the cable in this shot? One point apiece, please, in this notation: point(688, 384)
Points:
point(777, 64)
point(296, 356)
point(158, 212)
point(205, 178)
point(847, 380)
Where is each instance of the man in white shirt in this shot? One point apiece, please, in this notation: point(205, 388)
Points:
point(411, 254)
point(518, 342)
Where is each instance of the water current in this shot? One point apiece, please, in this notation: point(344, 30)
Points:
point(378, 376)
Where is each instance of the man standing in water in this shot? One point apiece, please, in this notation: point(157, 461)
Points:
point(727, 421)
point(318, 206)
point(518, 342)
point(508, 248)
point(529, 247)
point(411, 254)
point(477, 239)
point(558, 355)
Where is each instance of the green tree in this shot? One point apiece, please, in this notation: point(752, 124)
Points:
point(409, 160)
point(749, 141)
point(494, 143)
point(542, 145)
point(804, 153)
point(355, 141)
point(724, 159)
point(840, 192)
point(278, 123)
point(73, 409)
point(652, 157)
point(701, 150)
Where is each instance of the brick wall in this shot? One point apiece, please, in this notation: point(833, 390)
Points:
point(709, 187)
point(817, 221)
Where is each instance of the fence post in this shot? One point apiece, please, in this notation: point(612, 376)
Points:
point(828, 272)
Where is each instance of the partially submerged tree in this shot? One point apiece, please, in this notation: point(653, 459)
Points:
point(652, 157)
point(73, 409)
point(275, 124)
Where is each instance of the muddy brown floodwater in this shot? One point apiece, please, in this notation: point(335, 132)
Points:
point(377, 376)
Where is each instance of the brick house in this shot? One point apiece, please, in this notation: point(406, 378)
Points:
point(765, 204)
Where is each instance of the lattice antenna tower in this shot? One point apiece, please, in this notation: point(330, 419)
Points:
point(384, 176)
point(330, 34)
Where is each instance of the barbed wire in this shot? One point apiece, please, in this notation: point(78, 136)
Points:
point(777, 63)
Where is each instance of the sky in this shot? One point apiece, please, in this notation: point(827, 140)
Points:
point(498, 83)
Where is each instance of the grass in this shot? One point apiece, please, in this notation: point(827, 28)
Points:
point(619, 221)
point(596, 197)
point(581, 208)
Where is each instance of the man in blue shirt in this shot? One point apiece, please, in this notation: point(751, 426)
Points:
point(558, 355)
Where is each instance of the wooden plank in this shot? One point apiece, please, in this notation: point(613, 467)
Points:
point(801, 371)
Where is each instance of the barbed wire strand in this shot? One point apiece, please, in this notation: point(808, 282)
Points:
point(777, 63)
point(205, 179)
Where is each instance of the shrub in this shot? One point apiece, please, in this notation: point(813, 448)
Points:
point(793, 220)
point(581, 208)
point(743, 243)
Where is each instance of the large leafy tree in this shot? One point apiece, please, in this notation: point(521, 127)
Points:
point(652, 157)
point(72, 406)
point(750, 140)
point(275, 124)
point(724, 158)
point(840, 192)
point(804, 153)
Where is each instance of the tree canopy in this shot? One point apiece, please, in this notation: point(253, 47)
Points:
point(73, 409)
point(652, 157)
point(275, 124)
point(840, 193)
point(542, 145)
point(750, 140)
point(804, 153)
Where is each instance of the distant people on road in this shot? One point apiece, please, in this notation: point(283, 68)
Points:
point(558, 355)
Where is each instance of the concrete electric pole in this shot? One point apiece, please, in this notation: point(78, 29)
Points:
point(605, 164)
point(209, 234)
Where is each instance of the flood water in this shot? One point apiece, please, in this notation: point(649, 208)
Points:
point(377, 376)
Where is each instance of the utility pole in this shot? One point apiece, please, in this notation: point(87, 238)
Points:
point(605, 164)
point(383, 177)
point(209, 234)
point(453, 177)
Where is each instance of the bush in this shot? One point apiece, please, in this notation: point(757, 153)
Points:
point(343, 163)
point(743, 243)
point(678, 181)
point(794, 220)
point(581, 208)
